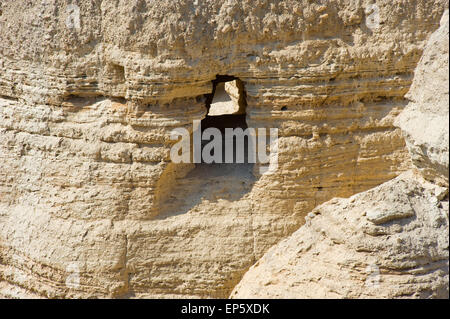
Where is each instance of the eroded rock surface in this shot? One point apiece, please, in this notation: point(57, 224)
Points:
point(90, 203)
point(425, 120)
point(389, 242)
point(344, 252)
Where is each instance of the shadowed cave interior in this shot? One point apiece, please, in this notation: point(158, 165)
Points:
point(226, 107)
point(215, 181)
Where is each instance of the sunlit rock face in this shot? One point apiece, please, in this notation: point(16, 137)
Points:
point(91, 204)
point(387, 242)
point(425, 121)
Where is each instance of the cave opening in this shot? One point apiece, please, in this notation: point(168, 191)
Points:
point(211, 181)
point(226, 108)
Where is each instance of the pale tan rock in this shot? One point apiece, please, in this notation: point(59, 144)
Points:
point(388, 242)
point(342, 252)
point(229, 98)
point(90, 204)
point(425, 121)
point(223, 102)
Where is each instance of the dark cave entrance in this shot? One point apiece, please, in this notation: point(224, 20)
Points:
point(226, 107)
point(212, 181)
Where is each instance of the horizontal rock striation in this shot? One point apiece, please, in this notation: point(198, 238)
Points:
point(90, 93)
point(387, 242)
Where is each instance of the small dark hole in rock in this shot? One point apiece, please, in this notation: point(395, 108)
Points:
point(284, 108)
point(117, 72)
point(119, 99)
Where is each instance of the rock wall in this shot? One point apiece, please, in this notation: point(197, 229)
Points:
point(425, 121)
point(389, 242)
point(90, 204)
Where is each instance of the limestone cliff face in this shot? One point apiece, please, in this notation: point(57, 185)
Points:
point(389, 242)
point(89, 92)
point(425, 121)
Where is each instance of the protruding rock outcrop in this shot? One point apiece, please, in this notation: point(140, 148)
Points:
point(389, 242)
point(425, 120)
point(91, 204)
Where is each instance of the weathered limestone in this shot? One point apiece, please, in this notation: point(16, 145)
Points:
point(87, 188)
point(343, 252)
point(389, 242)
point(425, 120)
point(229, 98)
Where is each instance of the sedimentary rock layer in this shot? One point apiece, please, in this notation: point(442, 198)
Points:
point(390, 241)
point(90, 93)
point(425, 121)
